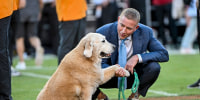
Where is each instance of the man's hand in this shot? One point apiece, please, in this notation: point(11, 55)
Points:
point(120, 72)
point(131, 63)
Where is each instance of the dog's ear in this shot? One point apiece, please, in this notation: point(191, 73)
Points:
point(88, 49)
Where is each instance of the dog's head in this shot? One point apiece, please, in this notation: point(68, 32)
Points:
point(96, 45)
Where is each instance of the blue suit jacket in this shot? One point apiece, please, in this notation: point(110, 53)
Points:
point(144, 43)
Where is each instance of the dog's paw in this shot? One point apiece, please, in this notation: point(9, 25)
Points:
point(127, 74)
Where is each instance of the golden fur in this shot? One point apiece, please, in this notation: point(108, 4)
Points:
point(80, 73)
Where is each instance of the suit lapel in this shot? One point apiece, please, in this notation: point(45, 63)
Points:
point(137, 41)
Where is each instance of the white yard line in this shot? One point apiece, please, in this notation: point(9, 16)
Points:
point(163, 93)
point(36, 75)
point(41, 68)
point(47, 77)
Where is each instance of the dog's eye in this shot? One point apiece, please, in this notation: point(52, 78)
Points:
point(103, 41)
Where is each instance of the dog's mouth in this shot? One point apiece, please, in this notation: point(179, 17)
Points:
point(105, 55)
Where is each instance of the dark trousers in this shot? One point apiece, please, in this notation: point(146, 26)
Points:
point(49, 35)
point(161, 12)
point(147, 73)
point(5, 63)
point(109, 14)
point(12, 31)
point(70, 33)
point(139, 5)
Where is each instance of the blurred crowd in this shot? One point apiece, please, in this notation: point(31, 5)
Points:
point(167, 17)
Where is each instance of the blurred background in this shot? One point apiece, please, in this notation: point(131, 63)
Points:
point(50, 37)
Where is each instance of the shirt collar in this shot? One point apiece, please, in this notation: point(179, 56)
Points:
point(128, 38)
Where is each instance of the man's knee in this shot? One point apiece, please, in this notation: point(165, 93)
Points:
point(154, 67)
point(151, 71)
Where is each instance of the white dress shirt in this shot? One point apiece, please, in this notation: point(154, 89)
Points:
point(129, 48)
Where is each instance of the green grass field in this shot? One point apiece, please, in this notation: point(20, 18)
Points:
point(180, 71)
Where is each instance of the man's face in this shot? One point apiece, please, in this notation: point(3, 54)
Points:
point(126, 27)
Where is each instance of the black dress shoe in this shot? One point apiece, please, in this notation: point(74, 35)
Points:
point(134, 96)
point(195, 85)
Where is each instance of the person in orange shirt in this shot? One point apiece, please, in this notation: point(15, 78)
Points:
point(72, 24)
point(6, 7)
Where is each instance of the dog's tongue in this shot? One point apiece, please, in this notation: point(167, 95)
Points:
point(108, 55)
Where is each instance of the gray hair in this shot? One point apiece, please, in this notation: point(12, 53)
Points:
point(131, 13)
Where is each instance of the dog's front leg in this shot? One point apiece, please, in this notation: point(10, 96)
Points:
point(109, 72)
point(87, 93)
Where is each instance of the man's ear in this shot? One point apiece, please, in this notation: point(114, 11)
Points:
point(88, 49)
point(118, 18)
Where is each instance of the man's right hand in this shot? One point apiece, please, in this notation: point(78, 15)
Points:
point(120, 72)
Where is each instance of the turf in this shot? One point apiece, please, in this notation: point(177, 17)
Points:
point(175, 75)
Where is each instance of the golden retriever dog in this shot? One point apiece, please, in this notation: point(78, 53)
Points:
point(80, 72)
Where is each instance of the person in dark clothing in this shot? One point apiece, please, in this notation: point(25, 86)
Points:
point(163, 8)
point(5, 62)
point(106, 12)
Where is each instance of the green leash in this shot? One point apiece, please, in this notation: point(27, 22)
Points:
point(134, 86)
point(136, 83)
point(121, 89)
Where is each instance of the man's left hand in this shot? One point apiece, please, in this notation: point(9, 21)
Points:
point(131, 63)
